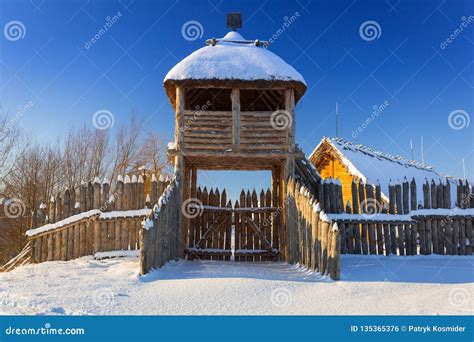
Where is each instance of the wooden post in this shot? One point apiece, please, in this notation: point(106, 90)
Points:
point(434, 195)
point(235, 98)
point(334, 253)
point(426, 195)
point(400, 228)
point(413, 201)
point(59, 208)
point(52, 210)
point(447, 194)
point(105, 196)
point(290, 109)
point(153, 189)
point(141, 193)
point(370, 209)
point(133, 193)
point(406, 210)
point(324, 246)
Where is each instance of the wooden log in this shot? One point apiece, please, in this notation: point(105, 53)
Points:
point(97, 197)
point(426, 195)
point(70, 243)
point(133, 193)
point(386, 235)
point(57, 245)
point(64, 244)
point(462, 236)
point(434, 236)
point(314, 239)
point(355, 197)
point(439, 195)
point(335, 273)
point(455, 237)
point(235, 100)
point(82, 239)
point(83, 196)
point(90, 195)
point(428, 240)
point(327, 197)
point(400, 228)
point(406, 199)
point(349, 231)
point(441, 224)
point(447, 194)
point(448, 231)
point(370, 210)
point(105, 198)
point(413, 195)
point(324, 246)
point(469, 236)
point(141, 193)
point(50, 247)
point(434, 195)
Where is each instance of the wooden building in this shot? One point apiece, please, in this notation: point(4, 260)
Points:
point(345, 160)
point(235, 110)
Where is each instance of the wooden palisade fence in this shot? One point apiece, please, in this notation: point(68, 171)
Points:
point(161, 238)
point(402, 225)
point(311, 238)
point(98, 220)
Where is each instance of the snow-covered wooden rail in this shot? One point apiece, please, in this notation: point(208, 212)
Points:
point(86, 234)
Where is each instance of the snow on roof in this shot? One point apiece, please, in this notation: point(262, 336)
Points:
point(373, 166)
point(234, 58)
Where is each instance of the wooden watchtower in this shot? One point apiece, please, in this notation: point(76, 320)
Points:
point(235, 110)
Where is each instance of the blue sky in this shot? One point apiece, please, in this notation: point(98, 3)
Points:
point(123, 71)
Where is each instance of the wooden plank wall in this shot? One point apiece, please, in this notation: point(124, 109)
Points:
point(78, 239)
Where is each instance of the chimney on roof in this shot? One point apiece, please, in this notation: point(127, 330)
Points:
point(234, 20)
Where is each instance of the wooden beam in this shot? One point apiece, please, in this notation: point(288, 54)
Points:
point(179, 124)
point(290, 108)
point(235, 97)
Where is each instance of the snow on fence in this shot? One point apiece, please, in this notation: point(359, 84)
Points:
point(99, 221)
point(161, 237)
point(402, 225)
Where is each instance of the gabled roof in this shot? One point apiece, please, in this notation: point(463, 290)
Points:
point(372, 166)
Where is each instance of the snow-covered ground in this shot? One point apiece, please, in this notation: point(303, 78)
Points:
point(369, 285)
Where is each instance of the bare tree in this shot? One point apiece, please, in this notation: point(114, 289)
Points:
point(152, 154)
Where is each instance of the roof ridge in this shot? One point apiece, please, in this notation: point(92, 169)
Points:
point(376, 153)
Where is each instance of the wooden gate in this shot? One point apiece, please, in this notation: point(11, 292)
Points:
point(247, 230)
